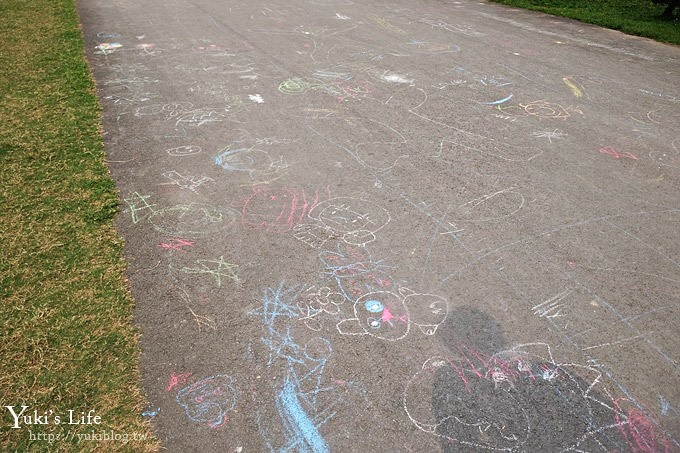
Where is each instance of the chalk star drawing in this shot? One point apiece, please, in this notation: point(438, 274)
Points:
point(550, 134)
point(219, 269)
point(137, 203)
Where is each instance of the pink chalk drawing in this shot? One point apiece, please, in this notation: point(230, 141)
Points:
point(643, 434)
point(209, 400)
point(177, 379)
point(616, 154)
point(277, 210)
point(176, 244)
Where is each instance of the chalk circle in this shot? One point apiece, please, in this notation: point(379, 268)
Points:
point(193, 220)
point(373, 306)
point(244, 159)
point(393, 322)
point(188, 150)
point(373, 323)
point(318, 349)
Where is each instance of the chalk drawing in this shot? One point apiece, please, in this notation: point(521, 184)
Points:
point(356, 220)
point(107, 48)
point(355, 271)
point(256, 98)
point(442, 24)
point(511, 401)
point(187, 150)
point(218, 268)
point(669, 157)
point(616, 154)
point(575, 89)
point(494, 206)
point(315, 304)
point(545, 109)
point(429, 48)
point(138, 203)
point(550, 135)
point(277, 210)
point(257, 163)
point(304, 401)
point(209, 400)
point(642, 433)
point(489, 146)
point(176, 244)
point(386, 315)
point(186, 182)
point(177, 379)
point(552, 308)
point(191, 220)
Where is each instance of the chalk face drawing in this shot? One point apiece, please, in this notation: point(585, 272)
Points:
point(209, 400)
point(386, 315)
point(515, 400)
point(355, 219)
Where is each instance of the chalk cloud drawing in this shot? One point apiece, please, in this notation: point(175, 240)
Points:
point(209, 400)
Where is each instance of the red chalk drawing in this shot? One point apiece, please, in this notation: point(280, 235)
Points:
point(616, 153)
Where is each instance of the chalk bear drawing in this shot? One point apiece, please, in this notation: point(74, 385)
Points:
point(389, 316)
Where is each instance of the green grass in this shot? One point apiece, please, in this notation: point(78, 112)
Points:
point(635, 17)
point(67, 340)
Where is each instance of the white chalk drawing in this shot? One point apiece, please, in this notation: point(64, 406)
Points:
point(514, 400)
point(355, 220)
point(386, 315)
point(186, 182)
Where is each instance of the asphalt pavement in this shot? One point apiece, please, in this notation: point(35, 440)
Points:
point(395, 226)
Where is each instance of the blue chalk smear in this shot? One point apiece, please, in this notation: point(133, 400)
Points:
point(500, 101)
point(298, 422)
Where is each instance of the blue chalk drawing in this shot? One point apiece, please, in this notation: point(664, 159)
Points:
point(296, 421)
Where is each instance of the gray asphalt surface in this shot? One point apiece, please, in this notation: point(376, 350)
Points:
point(395, 226)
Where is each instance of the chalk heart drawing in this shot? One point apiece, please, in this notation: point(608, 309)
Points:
point(354, 219)
point(209, 400)
point(513, 400)
point(386, 315)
